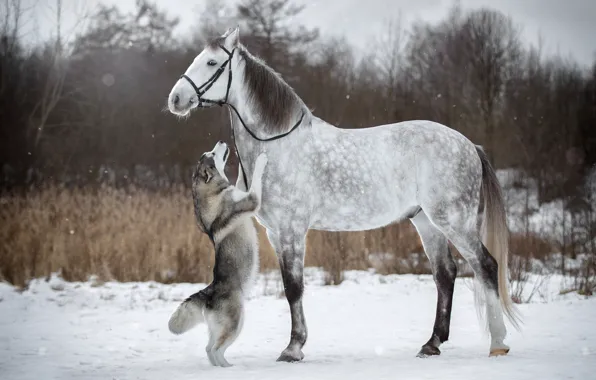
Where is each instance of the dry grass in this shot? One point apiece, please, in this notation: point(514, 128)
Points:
point(116, 234)
point(525, 249)
point(137, 235)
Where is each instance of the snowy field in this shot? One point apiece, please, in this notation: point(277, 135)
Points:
point(369, 327)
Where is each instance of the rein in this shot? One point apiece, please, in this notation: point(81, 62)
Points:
point(201, 90)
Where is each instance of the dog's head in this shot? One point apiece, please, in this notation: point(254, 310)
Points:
point(211, 165)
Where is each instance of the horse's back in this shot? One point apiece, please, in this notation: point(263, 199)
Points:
point(370, 177)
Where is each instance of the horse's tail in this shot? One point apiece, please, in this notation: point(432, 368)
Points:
point(495, 233)
point(188, 314)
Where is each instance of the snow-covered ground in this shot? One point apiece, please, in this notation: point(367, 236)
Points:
point(552, 220)
point(369, 327)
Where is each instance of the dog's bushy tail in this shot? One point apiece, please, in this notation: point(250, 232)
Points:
point(188, 314)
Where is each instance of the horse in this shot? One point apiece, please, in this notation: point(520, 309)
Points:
point(323, 177)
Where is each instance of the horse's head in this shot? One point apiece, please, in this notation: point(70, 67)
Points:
point(207, 80)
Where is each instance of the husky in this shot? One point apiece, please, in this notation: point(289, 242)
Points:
point(224, 213)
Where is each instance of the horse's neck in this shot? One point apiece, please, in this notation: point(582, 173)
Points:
point(244, 117)
point(245, 126)
point(244, 145)
point(243, 113)
point(246, 122)
point(244, 142)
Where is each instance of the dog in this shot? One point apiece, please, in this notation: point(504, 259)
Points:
point(224, 213)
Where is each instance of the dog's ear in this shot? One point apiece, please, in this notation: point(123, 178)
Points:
point(206, 174)
point(202, 173)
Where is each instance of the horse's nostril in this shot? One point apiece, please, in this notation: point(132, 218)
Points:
point(176, 100)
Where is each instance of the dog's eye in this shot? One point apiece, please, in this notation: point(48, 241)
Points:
point(212, 63)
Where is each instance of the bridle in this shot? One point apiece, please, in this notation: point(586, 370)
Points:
point(201, 90)
point(207, 85)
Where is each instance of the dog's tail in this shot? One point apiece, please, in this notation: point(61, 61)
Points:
point(188, 314)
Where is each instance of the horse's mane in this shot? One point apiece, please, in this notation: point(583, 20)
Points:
point(276, 104)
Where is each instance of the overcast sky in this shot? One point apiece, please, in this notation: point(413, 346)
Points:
point(567, 26)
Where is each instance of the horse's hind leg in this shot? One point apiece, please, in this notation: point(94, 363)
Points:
point(444, 272)
point(485, 269)
point(460, 228)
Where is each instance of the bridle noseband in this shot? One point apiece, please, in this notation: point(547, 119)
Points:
point(207, 85)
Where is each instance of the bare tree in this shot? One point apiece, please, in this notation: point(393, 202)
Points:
point(390, 60)
point(492, 49)
point(10, 29)
point(54, 81)
point(269, 24)
point(438, 72)
point(331, 77)
point(214, 18)
point(12, 11)
point(147, 28)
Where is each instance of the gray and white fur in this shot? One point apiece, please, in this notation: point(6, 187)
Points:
point(225, 213)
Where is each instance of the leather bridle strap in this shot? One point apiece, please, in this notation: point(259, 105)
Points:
point(201, 90)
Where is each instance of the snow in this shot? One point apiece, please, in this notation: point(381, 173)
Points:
point(550, 220)
point(370, 326)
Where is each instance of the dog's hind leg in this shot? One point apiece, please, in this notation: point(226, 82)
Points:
point(214, 328)
point(209, 347)
point(221, 346)
point(224, 329)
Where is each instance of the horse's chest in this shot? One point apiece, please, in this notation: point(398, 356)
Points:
point(283, 202)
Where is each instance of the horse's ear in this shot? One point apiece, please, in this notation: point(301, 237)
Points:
point(232, 37)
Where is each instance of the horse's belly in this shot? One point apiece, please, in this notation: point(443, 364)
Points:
point(359, 214)
point(344, 221)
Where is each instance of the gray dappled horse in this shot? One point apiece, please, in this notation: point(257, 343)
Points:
point(326, 178)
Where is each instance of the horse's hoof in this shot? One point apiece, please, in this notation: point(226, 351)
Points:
point(499, 352)
point(290, 356)
point(428, 350)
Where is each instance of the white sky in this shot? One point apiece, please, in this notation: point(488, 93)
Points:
point(568, 27)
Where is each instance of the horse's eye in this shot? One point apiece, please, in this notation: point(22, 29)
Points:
point(212, 63)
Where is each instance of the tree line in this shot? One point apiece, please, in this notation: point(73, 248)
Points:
point(92, 111)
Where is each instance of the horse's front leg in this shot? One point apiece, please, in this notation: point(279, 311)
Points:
point(290, 246)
